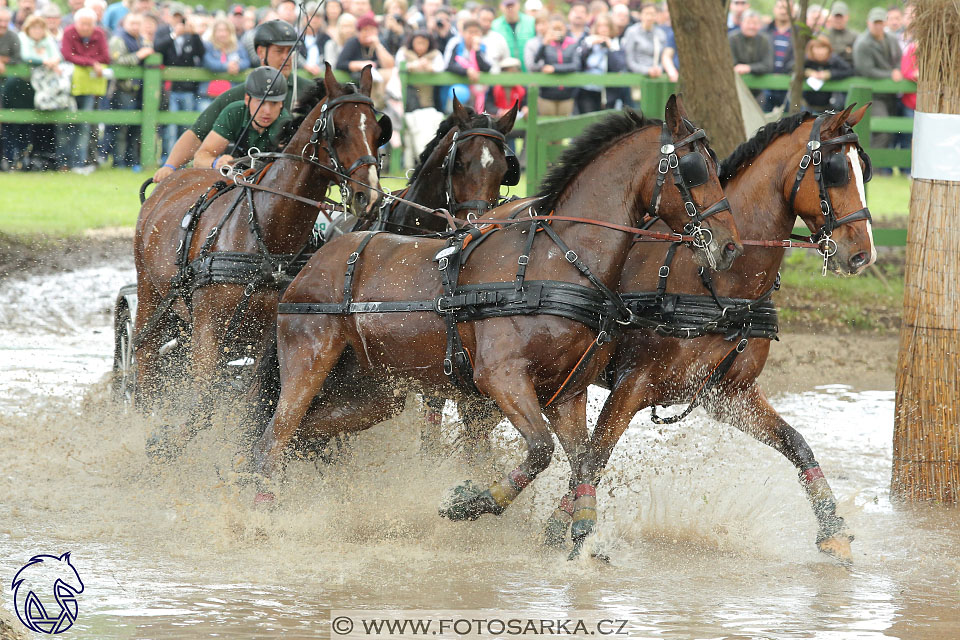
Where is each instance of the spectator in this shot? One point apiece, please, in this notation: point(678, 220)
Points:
point(752, 52)
point(287, 11)
point(817, 16)
point(25, 9)
point(469, 58)
point(841, 38)
point(643, 44)
point(395, 27)
point(876, 54)
point(363, 49)
point(84, 45)
point(905, 36)
point(595, 59)
point(540, 25)
point(9, 42)
point(505, 97)
point(127, 48)
point(622, 20)
point(515, 27)
point(359, 8)
point(345, 30)
point(332, 9)
point(598, 8)
point(238, 19)
point(223, 55)
point(422, 56)
point(443, 30)
point(781, 40)
point(10, 135)
point(559, 53)
point(577, 19)
point(73, 6)
point(669, 60)
point(99, 7)
point(52, 16)
point(735, 17)
point(114, 13)
point(894, 24)
point(255, 121)
point(497, 48)
point(822, 65)
point(183, 49)
point(428, 14)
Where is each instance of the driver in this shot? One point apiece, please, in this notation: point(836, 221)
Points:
point(252, 122)
point(272, 41)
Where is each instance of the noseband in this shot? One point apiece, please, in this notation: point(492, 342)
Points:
point(814, 156)
point(670, 162)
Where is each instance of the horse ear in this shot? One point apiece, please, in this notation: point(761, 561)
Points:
point(838, 120)
point(460, 112)
point(681, 109)
point(330, 82)
point(855, 118)
point(673, 118)
point(506, 121)
point(366, 80)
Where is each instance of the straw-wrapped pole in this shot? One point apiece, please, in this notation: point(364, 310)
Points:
point(926, 439)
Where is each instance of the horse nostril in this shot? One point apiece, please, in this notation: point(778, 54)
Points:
point(858, 260)
point(730, 248)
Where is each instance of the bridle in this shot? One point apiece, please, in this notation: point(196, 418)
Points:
point(324, 132)
point(688, 171)
point(510, 178)
point(831, 173)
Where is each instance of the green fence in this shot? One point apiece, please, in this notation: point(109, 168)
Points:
point(543, 135)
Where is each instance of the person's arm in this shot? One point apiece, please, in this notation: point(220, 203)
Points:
point(666, 60)
point(244, 60)
point(350, 53)
point(70, 55)
point(211, 59)
point(530, 50)
point(454, 66)
point(571, 61)
point(839, 68)
point(103, 51)
point(864, 63)
point(482, 62)
point(384, 59)
point(631, 52)
point(30, 59)
point(183, 150)
point(210, 154)
point(119, 53)
point(765, 51)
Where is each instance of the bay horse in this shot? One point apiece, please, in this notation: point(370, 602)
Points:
point(338, 316)
point(211, 256)
point(461, 169)
point(802, 166)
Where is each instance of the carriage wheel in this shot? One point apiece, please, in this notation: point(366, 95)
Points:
point(124, 362)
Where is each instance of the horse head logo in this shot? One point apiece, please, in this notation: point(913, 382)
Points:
point(45, 593)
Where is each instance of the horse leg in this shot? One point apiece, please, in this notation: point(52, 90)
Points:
point(517, 398)
point(147, 352)
point(578, 508)
point(479, 417)
point(750, 412)
point(307, 354)
point(431, 431)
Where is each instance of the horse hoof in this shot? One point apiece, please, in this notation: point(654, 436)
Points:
point(468, 502)
point(837, 547)
point(555, 533)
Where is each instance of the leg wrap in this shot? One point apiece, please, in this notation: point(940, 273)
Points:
point(505, 490)
point(559, 522)
point(584, 511)
point(823, 502)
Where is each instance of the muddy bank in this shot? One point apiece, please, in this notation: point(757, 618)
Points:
point(21, 257)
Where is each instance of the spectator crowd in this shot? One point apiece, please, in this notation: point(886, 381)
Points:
point(74, 57)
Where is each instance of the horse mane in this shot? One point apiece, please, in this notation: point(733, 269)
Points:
point(476, 120)
point(585, 148)
point(308, 100)
point(744, 155)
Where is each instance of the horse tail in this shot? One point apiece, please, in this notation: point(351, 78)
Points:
point(143, 189)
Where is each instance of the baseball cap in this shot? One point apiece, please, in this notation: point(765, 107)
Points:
point(508, 3)
point(877, 14)
point(365, 21)
point(840, 9)
point(237, 9)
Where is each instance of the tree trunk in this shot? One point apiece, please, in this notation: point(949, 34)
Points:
point(801, 35)
point(706, 71)
point(926, 436)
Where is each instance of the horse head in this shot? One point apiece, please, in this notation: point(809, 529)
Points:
point(697, 204)
point(828, 193)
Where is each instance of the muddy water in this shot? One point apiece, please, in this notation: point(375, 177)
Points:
point(708, 532)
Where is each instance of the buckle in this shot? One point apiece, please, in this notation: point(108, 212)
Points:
point(805, 161)
point(663, 166)
point(817, 157)
point(442, 263)
point(447, 367)
point(690, 207)
point(742, 345)
point(571, 256)
point(674, 161)
point(664, 271)
point(602, 338)
point(353, 257)
point(441, 308)
point(523, 260)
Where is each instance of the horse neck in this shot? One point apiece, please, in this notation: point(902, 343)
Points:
point(429, 189)
point(761, 212)
point(286, 223)
point(600, 192)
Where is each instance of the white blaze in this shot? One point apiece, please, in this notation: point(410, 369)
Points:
point(372, 178)
point(858, 175)
point(486, 158)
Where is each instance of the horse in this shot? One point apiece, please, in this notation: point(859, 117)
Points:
point(802, 166)
point(211, 257)
point(461, 169)
point(511, 323)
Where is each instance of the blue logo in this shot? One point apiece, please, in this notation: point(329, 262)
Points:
point(45, 593)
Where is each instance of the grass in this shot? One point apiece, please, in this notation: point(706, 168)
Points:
point(889, 200)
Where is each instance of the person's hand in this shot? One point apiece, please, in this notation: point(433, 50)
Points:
point(673, 75)
point(3, 67)
point(547, 68)
point(312, 69)
point(53, 64)
point(896, 76)
point(741, 68)
point(97, 69)
point(655, 72)
point(223, 160)
point(143, 52)
point(162, 174)
point(233, 67)
point(473, 75)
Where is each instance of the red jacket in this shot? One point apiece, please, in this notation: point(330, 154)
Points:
point(81, 53)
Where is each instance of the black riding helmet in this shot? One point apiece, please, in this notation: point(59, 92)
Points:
point(276, 32)
point(266, 83)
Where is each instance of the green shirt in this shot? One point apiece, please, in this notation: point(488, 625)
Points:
point(231, 122)
point(205, 121)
